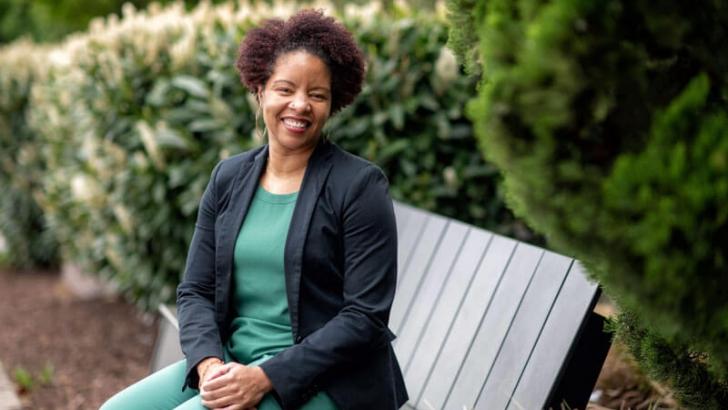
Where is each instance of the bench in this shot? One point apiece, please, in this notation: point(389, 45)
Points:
point(483, 321)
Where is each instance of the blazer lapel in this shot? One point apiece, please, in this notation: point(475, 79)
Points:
point(316, 173)
point(244, 186)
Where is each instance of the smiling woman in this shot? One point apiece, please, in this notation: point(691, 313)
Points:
point(296, 103)
point(291, 271)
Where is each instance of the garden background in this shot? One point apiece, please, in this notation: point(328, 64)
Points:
point(603, 126)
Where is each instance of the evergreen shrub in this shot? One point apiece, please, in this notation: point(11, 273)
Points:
point(134, 114)
point(608, 120)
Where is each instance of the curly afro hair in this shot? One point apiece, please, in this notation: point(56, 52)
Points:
point(311, 31)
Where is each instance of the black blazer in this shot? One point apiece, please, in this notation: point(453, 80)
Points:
point(340, 266)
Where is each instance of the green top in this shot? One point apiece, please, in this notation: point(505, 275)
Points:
point(262, 325)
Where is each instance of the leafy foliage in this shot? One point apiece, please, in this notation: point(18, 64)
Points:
point(608, 120)
point(463, 33)
point(156, 105)
point(409, 120)
point(24, 379)
point(51, 20)
point(693, 383)
point(132, 116)
point(22, 224)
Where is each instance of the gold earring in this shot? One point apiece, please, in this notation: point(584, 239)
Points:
point(261, 136)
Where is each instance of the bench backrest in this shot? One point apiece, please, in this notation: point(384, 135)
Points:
point(483, 321)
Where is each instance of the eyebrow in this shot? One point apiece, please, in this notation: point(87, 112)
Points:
point(293, 84)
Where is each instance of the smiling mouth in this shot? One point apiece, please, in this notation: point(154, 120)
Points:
point(294, 124)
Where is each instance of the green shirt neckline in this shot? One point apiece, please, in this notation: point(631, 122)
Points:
point(272, 198)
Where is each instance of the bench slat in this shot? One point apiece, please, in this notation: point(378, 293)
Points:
point(407, 237)
point(420, 261)
point(401, 215)
point(553, 346)
point(428, 291)
point(493, 328)
point(523, 332)
point(435, 332)
point(167, 349)
point(465, 326)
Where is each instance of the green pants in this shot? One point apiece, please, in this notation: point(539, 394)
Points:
point(162, 390)
point(158, 391)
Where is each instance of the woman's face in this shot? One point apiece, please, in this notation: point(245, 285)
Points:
point(296, 101)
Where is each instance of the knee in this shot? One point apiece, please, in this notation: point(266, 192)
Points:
point(120, 401)
point(111, 404)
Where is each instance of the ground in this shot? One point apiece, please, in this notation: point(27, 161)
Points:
point(79, 352)
point(76, 352)
point(622, 386)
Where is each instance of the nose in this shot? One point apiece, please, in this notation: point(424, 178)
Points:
point(300, 103)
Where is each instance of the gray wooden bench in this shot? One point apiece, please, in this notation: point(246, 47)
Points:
point(483, 321)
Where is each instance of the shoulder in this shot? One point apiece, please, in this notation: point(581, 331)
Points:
point(225, 171)
point(354, 168)
point(356, 178)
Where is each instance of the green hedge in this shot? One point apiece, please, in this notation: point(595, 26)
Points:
point(134, 114)
point(609, 121)
point(410, 120)
point(22, 225)
point(51, 20)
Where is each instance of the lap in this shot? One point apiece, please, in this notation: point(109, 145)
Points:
point(320, 401)
point(162, 390)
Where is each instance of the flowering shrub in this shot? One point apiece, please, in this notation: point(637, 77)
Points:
point(28, 241)
point(134, 114)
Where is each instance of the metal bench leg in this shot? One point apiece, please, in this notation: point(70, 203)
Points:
point(582, 369)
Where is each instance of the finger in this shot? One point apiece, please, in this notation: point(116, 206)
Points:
point(211, 395)
point(215, 372)
point(233, 407)
point(217, 383)
point(222, 370)
point(219, 403)
point(219, 371)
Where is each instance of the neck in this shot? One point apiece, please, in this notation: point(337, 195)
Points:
point(285, 164)
point(285, 169)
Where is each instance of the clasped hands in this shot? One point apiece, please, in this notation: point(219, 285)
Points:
point(233, 386)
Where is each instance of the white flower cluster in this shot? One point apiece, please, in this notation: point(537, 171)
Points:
point(20, 63)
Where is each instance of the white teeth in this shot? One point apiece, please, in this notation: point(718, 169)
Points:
point(294, 123)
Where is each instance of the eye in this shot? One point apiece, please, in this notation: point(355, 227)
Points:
point(319, 97)
point(284, 90)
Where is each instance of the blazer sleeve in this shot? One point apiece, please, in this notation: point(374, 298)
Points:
point(370, 269)
point(199, 333)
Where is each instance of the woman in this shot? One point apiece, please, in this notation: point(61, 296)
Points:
point(291, 270)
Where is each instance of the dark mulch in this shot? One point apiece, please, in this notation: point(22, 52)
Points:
point(95, 347)
point(622, 385)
